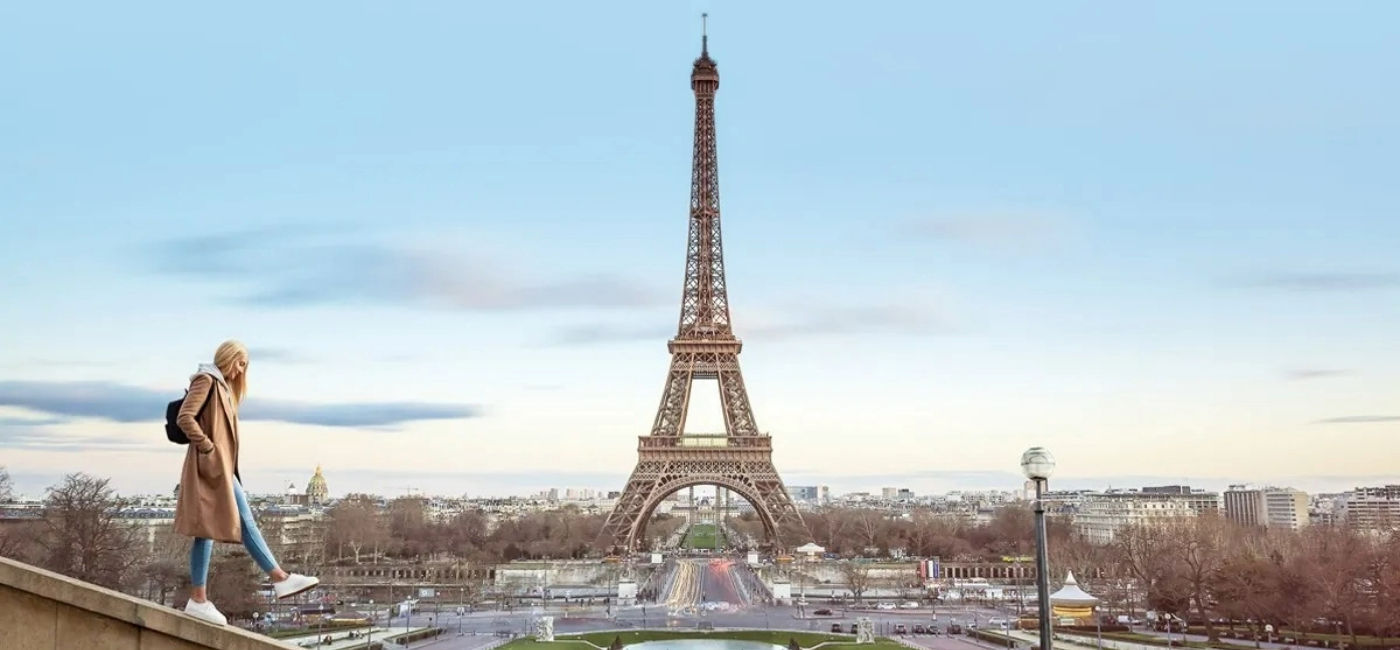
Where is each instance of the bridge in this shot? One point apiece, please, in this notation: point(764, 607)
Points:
point(42, 610)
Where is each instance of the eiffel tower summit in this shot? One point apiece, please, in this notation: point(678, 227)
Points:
point(740, 459)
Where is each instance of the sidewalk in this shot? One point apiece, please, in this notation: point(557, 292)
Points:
point(342, 640)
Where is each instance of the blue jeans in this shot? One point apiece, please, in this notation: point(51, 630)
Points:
point(203, 549)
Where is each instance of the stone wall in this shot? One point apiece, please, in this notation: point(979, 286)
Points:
point(41, 610)
point(557, 572)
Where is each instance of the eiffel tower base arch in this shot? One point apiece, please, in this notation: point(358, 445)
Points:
point(664, 469)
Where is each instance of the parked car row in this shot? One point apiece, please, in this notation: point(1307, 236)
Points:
point(902, 629)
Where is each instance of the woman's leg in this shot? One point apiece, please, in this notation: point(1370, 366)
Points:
point(252, 537)
point(200, 552)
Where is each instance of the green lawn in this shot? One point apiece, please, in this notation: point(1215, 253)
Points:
point(701, 536)
point(880, 644)
point(531, 644)
point(778, 637)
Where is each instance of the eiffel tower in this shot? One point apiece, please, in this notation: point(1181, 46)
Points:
point(741, 459)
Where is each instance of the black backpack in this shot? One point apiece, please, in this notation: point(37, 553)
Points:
point(172, 414)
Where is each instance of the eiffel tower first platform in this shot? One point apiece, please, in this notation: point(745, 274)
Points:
point(740, 459)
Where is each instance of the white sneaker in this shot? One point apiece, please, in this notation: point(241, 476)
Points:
point(294, 584)
point(206, 612)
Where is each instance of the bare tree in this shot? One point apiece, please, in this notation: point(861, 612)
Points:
point(14, 538)
point(354, 523)
point(233, 584)
point(1382, 573)
point(1201, 541)
point(84, 535)
point(857, 576)
point(1335, 561)
point(870, 524)
point(1147, 555)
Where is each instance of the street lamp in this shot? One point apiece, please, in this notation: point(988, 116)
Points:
point(1038, 465)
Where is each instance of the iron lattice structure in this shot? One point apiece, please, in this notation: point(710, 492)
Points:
point(740, 460)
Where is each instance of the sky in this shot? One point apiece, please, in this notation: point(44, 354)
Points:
point(1159, 239)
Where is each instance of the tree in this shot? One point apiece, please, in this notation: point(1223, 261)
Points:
point(84, 535)
point(857, 576)
point(14, 538)
point(161, 577)
point(1334, 561)
point(1382, 573)
point(1202, 541)
point(1147, 555)
point(1244, 587)
point(233, 584)
point(354, 523)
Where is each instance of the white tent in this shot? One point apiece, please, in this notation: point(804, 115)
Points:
point(1071, 601)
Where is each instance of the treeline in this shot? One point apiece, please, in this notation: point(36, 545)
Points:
point(1205, 569)
point(358, 530)
point(80, 532)
point(866, 532)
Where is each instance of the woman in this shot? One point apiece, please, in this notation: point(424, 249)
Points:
point(212, 506)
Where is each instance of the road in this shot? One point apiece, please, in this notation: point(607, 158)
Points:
point(701, 592)
point(480, 628)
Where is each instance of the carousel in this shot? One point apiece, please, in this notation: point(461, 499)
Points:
point(1072, 602)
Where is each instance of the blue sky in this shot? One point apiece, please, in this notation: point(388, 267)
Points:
point(1157, 238)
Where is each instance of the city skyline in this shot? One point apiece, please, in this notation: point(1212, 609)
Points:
point(941, 250)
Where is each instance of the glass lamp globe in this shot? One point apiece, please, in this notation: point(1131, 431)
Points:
point(1037, 463)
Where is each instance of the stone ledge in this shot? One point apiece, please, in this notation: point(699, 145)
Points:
point(73, 600)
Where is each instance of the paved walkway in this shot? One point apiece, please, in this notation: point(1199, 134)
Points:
point(342, 640)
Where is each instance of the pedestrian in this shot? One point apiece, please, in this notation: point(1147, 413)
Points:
point(212, 505)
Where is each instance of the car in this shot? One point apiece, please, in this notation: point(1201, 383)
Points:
point(955, 629)
point(935, 630)
point(853, 628)
point(909, 605)
point(885, 606)
point(822, 612)
point(918, 629)
point(900, 629)
point(836, 628)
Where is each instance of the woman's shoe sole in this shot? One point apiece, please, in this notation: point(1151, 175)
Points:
point(203, 620)
point(301, 591)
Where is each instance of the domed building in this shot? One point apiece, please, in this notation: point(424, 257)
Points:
point(316, 491)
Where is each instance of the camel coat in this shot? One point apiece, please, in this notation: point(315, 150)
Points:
point(206, 507)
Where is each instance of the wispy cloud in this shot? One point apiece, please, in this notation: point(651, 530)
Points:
point(898, 318)
point(12, 421)
point(277, 355)
point(1299, 374)
point(48, 439)
point(289, 270)
point(123, 403)
point(1359, 419)
point(1319, 281)
point(610, 333)
point(1002, 231)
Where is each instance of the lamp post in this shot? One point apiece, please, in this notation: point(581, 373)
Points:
point(1038, 465)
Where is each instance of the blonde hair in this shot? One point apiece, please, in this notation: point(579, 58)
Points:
point(224, 357)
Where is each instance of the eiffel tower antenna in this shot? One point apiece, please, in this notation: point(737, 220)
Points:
point(704, 34)
point(739, 460)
